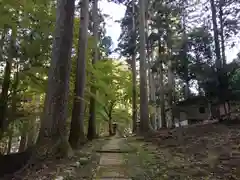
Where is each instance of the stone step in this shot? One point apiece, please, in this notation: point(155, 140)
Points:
point(113, 171)
point(112, 178)
point(111, 159)
point(116, 151)
point(111, 165)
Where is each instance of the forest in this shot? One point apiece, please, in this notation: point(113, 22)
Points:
point(172, 95)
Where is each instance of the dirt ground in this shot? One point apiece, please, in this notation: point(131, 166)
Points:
point(98, 160)
point(202, 152)
point(206, 152)
point(82, 166)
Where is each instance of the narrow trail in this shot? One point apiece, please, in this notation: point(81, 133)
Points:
point(111, 165)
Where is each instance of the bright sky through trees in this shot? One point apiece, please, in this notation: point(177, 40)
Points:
point(116, 12)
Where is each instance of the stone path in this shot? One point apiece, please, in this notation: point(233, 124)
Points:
point(111, 166)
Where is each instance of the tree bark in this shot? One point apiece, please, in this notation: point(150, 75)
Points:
point(222, 34)
point(109, 110)
point(134, 95)
point(134, 73)
point(10, 136)
point(4, 94)
point(23, 141)
point(216, 40)
point(3, 35)
point(161, 87)
point(149, 75)
point(220, 74)
point(31, 132)
point(151, 87)
point(110, 128)
point(14, 109)
point(152, 96)
point(185, 50)
point(6, 85)
point(221, 4)
point(32, 129)
point(92, 110)
point(144, 112)
point(170, 81)
point(52, 139)
point(77, 124)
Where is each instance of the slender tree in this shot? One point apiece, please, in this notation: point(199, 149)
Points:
point(6, 82)
point(134, 72)
point(13, 109)
point(170, 75)
point(161, 85)
point(184, 51)
point(216, 35)
point(76, 136)
point(144, 112)
point(221, 4)
point(92, 112)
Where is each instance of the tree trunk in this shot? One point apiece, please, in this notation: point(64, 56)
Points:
point(31, 132)
point(225, 90)
point(170, 82)
point(92, 117)
point(161, 87)
point(222, 33)
point(216, 40)
point(3, 35)
point(10, 136)
point(151, 87)
point(92, 112)
point(185, 50)
point(170, 97)
point(149, 75)
point(4, 94)
point(52, 139)
point(221, 89)
point(109, 111)
point(6, 85)
point(76, 136)
point(134, 73)
point(23, 141)
point(210, 110)
point(24, 135)
point(110, 128)
point(186, 89)
point(152, 96)
point(134, 95)
point(14, 109)
point(157, 98)
point(144, 112)
point(32, 129)
point(186, 68)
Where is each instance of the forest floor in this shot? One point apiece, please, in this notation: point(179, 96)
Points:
point(82, 165)
point(101, 159)
point(202, 152)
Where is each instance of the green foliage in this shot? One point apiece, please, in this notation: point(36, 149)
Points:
point(113, 82)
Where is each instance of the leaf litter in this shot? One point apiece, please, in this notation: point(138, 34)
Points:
point(81, 166)
point(209, 151)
